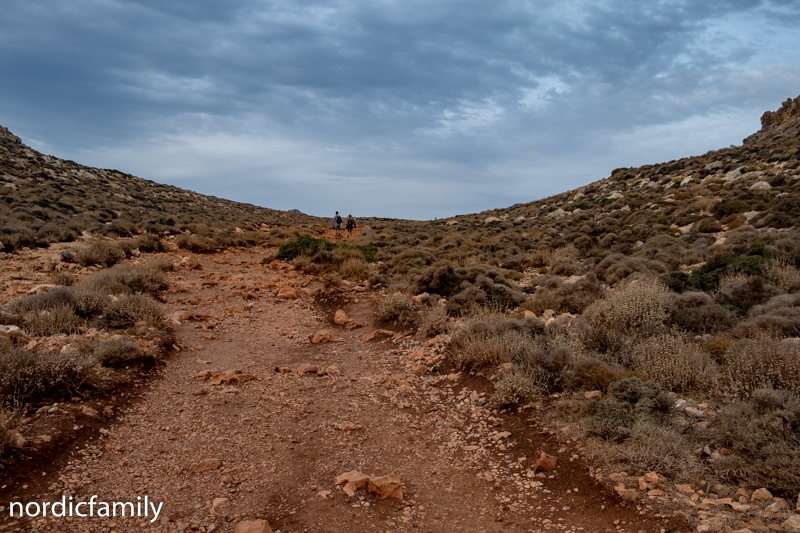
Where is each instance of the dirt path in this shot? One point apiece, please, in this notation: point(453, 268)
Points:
point(283, 438)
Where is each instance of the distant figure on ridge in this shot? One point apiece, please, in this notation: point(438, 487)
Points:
point(337, 222)
point(351, 225)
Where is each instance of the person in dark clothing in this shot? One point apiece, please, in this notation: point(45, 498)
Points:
point(350, 225)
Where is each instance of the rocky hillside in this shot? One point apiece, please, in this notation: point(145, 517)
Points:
point(754, 183)
point(46, 199)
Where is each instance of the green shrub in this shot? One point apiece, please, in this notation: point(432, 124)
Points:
point(304, 245)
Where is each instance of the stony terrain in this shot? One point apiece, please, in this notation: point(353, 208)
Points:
point(275, 444)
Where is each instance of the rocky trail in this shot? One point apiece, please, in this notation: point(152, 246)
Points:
point(250, 420)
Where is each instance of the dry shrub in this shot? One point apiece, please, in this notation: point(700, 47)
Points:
point(126, 279)
point(566, 253)
point(46, 322)
point(742, 295)
point(732, 277)
point(762, 436)
point(117, 351)
point(780, 316)
point(717, 346)
point(398, 307)
point(698, 312)
point(540, 257)
point(566, 297)
point(149, 243)
point(650, 446)
point(9, 420)
point(592, 374)
point(783, 274)
point(763, 363)
point(101, 253)
point(674, 363)
point(129, 309)
point(65, 279)
point(52, 299)
point(195, 243)
point(27, 375)
point(640, 304)
point(478, 345)
point(163, 264)
point(520, 385)
point(433, 321)
point(354, 268)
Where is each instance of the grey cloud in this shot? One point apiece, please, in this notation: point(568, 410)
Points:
point(412, 91)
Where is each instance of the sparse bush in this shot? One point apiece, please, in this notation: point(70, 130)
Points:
point(164, 264)
point(741, 295)
point(490, 286)
point(57, 233)
point(118, 351)
point(717, 346)
point(647, 445)
point(611, 419)
point(52, 299)
point(466, 301)
point(674, 363)
point(129, 309)
point(9, 420)
point(635, 391)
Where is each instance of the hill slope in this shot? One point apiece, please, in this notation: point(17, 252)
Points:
point(45, 199)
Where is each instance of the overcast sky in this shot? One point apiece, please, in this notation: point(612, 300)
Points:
point(395, 108)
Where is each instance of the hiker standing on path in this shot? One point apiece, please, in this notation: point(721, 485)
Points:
point(351, 225)
point(337, 223)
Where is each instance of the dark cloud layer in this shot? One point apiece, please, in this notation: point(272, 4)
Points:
point(306, 103)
